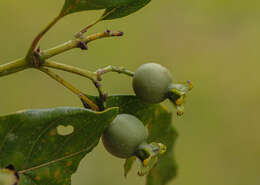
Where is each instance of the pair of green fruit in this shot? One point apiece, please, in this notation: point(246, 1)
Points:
point(126, 135)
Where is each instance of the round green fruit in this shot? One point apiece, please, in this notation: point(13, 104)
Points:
point(123, 136)
point(151, 82)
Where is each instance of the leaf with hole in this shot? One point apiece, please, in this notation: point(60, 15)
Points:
point(33, 143)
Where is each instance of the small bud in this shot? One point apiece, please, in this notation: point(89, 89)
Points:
point(120, 33)
point(78, 35)
point(36, 59)
point(38, 50)
point(82, 45)
point(107, 32)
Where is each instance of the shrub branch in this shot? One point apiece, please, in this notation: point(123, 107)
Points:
point(22, 64)
point(43, 63)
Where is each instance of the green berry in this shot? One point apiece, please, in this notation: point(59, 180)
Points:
point(123, 136)
point(151, 82)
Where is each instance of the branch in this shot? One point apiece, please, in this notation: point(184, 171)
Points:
point(12, 67)
point(21, 64)
point(76, 43)
point(95, 77)
point(45, 30)
point(66, 84)
point(72, 69)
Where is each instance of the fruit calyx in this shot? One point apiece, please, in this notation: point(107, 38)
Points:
point(147, 156)
point(177, 95)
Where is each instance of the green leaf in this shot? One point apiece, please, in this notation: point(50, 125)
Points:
point(31, 142)
point(72, 6)
point(126, 9)
point(159, 123)
point(161, 131)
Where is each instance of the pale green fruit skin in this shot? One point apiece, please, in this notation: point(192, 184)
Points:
point(7, 177)
point(151, 82)
point(123, 136)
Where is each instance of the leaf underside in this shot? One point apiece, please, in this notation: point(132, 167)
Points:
point(72, 6)
point(30, 141)
point(122, 7)
point(125, 10)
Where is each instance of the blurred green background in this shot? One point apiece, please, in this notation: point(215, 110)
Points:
point(213, 43)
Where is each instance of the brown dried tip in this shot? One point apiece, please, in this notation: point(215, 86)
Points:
point(107, 32)
point(118, 33)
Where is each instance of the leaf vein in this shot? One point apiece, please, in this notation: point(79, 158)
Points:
point(55, 161)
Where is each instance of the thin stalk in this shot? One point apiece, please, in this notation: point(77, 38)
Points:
point(93, 76)
point(72, 69)
point(46, 29)
point(66, 84)
point(116, 69)
point(40, 35)
point(102, 94)
point(84, 30)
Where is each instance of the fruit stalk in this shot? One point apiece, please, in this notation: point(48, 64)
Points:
point(72, 69)
point(116, 69)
